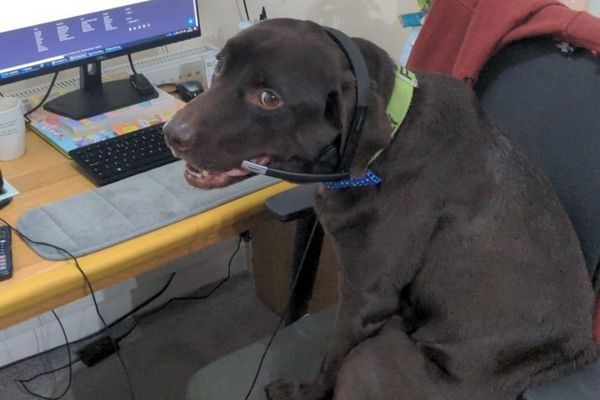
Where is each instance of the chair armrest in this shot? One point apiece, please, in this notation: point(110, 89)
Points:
point(292, 204)
point(581, 385)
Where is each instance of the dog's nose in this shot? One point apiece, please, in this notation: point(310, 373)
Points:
point(179, 136)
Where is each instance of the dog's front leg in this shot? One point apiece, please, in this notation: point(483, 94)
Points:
point(369, 285)
point(321, 387)
point(362, 310)
point(347, 334)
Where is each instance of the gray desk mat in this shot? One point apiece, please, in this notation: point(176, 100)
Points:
point(122, 210)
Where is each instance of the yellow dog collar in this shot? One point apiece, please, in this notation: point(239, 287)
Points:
point(397, 108)
point(404, 86)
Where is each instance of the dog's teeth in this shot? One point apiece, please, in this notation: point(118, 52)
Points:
point(204, 173)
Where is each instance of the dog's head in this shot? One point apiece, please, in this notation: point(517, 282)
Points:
point(282, 92)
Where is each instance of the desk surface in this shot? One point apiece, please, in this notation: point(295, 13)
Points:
point(38, 285)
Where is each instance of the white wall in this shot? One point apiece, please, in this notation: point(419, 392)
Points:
point(376, 20)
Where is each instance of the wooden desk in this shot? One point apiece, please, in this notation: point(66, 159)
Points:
point(38, 285)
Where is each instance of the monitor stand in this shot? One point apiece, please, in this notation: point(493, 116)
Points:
point(97, 97)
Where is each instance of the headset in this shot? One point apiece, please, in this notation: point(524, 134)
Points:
point(329, 158)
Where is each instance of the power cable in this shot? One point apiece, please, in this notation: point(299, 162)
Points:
point(288, 303)
point(93, 294)
point(41, 102)
point(112, 342)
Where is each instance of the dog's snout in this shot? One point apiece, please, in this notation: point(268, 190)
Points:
point(179, 136)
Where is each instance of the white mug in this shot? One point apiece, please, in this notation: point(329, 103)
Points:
point(12, 129)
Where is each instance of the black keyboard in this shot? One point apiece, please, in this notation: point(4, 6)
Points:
point(125, 155)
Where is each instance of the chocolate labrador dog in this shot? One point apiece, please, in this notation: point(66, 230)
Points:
point(460, 275)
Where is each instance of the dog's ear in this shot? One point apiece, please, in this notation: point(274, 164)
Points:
point(375, 134)
point(340, 102)
point(339, 111)
point(340, 105)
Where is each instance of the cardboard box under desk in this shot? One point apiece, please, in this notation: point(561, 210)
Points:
point(272, 250)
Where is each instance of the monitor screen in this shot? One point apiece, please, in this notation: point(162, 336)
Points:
point(38, 37)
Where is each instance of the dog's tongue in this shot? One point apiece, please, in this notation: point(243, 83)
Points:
point(236, 172)
point(207, 180)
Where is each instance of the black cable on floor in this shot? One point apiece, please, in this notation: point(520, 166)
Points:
point(118, 339)
point(187, 298)
point(112, 324)
point(24, 381)
point(93, 294)
point(93, 334)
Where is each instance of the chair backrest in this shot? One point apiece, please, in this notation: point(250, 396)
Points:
point(548, 101)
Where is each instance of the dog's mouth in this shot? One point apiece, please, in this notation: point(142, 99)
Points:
point(205, 179)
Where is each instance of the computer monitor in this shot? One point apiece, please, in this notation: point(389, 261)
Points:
point(39, 37)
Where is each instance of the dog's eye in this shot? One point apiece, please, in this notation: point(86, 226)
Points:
point(269, 99)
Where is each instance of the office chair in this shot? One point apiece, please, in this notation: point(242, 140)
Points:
point(545, 96)
point(547, 100)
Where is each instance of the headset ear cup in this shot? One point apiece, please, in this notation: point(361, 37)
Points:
point(328, 160)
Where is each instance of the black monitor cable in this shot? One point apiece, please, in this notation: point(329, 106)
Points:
point(51, 86)
point(288, 303)
point(261, 17)
point(41, 102)
point(93, 295)
point(246, 10)
point(26, 115)
point(131, 64)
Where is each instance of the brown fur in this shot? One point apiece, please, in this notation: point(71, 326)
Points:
point(460, 275)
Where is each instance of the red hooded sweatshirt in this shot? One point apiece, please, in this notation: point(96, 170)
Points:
point(459, 36)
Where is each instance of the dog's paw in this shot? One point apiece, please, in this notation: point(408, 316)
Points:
point(290, 391)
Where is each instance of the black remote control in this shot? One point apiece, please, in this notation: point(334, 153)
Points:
point(6, 267)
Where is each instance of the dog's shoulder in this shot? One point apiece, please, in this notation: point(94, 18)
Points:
point(439, 88)
point(445, 107)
